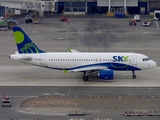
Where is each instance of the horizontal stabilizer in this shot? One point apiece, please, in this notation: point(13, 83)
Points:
point(19, 57)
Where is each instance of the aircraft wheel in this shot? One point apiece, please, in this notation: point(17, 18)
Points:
point(134, 76)
point(85, 78)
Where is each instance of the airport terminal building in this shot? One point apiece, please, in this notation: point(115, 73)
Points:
point(108, 6)
point(79, 6)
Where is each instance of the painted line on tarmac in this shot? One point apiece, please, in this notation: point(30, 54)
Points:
point(146, 32)
point(19, 96)
point(157, 25)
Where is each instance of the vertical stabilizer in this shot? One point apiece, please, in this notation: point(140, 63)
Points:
point(24, 43)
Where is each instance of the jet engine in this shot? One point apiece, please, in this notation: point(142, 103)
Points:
point(106, 74)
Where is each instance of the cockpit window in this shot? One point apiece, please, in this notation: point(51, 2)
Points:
point(146, 59)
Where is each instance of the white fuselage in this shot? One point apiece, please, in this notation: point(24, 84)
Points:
point(65, 60)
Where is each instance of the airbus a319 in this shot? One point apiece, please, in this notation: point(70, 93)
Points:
point(90, 63)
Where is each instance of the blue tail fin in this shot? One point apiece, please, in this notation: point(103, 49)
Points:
point(24, 43)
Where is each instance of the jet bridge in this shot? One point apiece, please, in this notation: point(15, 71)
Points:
point(36, 5)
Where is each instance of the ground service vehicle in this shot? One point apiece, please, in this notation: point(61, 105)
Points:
point(120, 15)
point(132, 22)
point(36, 21)
point(137, 18)
point(28, 20)
point(62, 18)
point(6, 101)
point(157, 15)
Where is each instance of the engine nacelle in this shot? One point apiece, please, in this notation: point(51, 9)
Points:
point(106, 74)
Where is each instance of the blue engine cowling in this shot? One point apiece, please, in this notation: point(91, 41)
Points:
point(106, 74)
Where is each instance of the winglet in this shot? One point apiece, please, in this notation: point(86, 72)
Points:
point(72, 50)
point(69, 50)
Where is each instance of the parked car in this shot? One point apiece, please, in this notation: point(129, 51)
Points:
point(13, 21)
point(3, 28)
point(2, 18)
point(120, 15)
point(147, 23)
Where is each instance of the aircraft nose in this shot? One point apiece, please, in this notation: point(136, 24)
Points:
point(154, 64)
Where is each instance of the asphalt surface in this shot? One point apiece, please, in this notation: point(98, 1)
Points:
point(18, 94)
point(33, 76)
point(108, 35)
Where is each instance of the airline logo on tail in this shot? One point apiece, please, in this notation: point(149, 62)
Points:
point(24, 43)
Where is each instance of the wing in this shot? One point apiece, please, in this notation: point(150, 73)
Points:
point(90, 68)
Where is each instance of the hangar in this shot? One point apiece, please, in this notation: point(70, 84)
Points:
point(107, 7)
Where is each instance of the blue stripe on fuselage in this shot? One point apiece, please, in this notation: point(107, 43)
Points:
point(112, 66)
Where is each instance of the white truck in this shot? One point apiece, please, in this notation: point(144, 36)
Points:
point(137, 18)
point(157, 15)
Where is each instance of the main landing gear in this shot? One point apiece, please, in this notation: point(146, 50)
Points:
point(85, 77)
point(133, 75)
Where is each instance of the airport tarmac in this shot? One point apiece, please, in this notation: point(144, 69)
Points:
point(33, 76)
point(19, 94)
point(108, 35)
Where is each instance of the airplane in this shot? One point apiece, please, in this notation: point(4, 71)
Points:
point(102, 64)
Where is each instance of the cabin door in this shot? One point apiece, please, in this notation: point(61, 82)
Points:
point(43, 60)
point(134, 60)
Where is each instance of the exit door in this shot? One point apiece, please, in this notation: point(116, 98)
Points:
point(134, 60)
point(43, 60)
